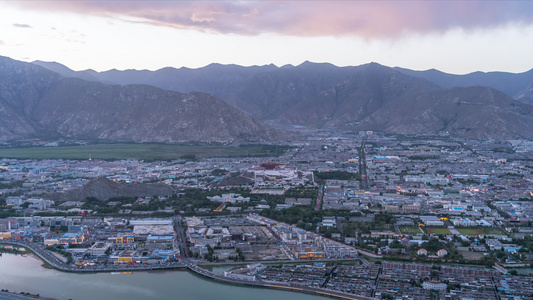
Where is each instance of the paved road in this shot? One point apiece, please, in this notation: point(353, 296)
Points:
point(10, 296)
point(362, 165)
point(181, 237)
point(275, 285)
point(41, 251)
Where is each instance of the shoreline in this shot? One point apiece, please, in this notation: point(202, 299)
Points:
point(195, 269)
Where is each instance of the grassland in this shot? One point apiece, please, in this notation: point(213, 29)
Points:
point(468, 231)
point(438, 230)
point(491, 230)
point(147, 152)
point(410, 229)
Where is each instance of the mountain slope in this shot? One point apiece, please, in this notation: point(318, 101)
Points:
point(103, 189)
point(65, 71)
point(369, 97)
point(509, 83)
point(472, 112)
point(38, 103)
point(526, 95)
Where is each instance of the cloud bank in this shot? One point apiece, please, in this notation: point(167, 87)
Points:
point(368, 19)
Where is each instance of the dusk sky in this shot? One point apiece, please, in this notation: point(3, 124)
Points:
point(453, 36)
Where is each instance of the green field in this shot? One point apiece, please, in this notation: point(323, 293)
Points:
point(142, 152)
point(490, 230)
point(465, 231)
point(438, 230)
point(409, 229)
point(468, 231)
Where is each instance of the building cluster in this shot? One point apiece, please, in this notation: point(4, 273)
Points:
point(397, 279)
point(95, 240)
point(436, 200)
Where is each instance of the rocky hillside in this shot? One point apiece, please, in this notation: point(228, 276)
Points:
point(103, 189)
point(35, 102)
point(367, 97)
point(473, 112)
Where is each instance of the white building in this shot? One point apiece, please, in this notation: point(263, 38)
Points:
point(422, 252)
point(39, 203)
point(431, 221)
point(16, 201)
point(232, 198)
point(463, 222)
point(151, 221)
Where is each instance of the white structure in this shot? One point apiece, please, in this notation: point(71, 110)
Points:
point(231, 198)
point(39, 203)
point(16, 201)
point(431, 221)
point(463, 222)
point(434, 180)
point(422, 252)
point(151, 221)
point(434, 285)
point(281, 176)
point(98, 248)
point(329, 221)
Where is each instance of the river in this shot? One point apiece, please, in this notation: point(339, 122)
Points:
point(25, 273)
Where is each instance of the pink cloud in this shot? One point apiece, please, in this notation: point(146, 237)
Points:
point(369, 19)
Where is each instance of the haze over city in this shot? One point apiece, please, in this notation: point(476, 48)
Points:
point(452, 36)
point(308, 149)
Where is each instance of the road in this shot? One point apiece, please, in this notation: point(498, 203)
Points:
point(275, 285)
point(45, 255)
point(319, 197)
point(40, 251)
point(10, 296)
point(362, 165)
point(181, 237)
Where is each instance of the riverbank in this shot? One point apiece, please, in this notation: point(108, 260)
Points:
point(200, 271)
point(58, 264)
point(17, 271)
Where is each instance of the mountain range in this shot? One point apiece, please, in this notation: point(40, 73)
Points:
point(38, 103)
point(366, 97)
point(230, 103)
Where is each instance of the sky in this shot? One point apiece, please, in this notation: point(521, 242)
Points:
point(453, 36)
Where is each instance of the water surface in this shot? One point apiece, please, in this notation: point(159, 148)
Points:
point(26, 274)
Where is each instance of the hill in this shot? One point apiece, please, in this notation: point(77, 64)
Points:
point(103, 189)
point(38, 103)
point(366, 97)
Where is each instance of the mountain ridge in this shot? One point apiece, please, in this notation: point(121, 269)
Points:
point(36, 102)
point(366, 97)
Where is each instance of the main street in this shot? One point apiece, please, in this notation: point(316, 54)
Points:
point(181, 237)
